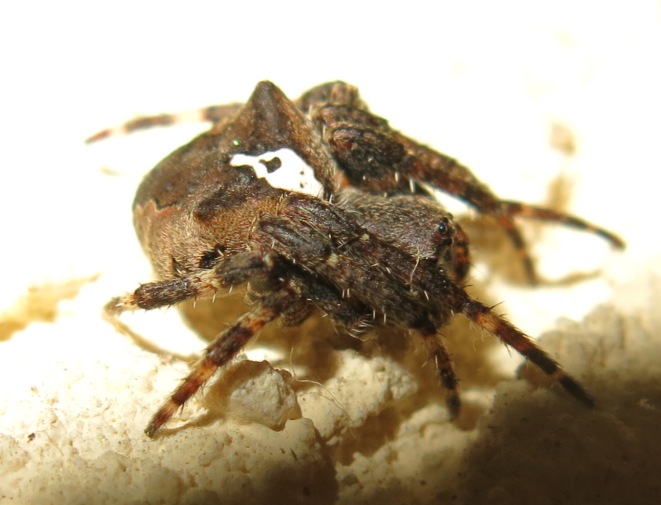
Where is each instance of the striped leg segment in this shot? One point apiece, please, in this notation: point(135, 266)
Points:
point(223, 349)
point(462, 259)
point(203, 283)
point(214, 114)
point(443, 361)
point(524, 345)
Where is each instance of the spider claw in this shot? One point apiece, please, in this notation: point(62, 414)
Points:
point(574, 388)
point(453, 404)
point(162, 416)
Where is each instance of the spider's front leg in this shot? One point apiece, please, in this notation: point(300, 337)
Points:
point(204, 283)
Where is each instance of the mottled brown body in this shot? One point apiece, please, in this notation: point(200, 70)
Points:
point(357, 236)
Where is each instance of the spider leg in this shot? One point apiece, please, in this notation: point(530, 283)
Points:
point(443, 361)
point(337, 249)
point(530, 211)
point(268, 308)
point(203, 283)
point(524, 345)
point(441, 288)
point(214, 113)
point(431, 168)
point(378, 159)
point(353, 319)
point(233, 270)
point(222, 349)
point(325, 241)
point(461, 254)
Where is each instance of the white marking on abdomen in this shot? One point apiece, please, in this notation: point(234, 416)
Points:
point(293, 175)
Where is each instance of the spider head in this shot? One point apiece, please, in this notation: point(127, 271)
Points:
point(413, 223)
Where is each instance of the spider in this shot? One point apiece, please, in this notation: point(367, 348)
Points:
point(352, 231)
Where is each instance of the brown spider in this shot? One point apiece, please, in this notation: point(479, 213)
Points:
point(353, 231)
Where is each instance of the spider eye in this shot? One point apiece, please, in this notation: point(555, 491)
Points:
point(442, 227)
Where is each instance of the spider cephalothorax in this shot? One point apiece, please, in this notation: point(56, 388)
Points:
point(353, 231)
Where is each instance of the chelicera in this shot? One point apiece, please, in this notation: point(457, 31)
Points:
point(352, 231)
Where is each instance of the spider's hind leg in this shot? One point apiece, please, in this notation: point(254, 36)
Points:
point(542, 214)
point(214, 114)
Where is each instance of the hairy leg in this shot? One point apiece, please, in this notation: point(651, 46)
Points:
point(224, 347)
point(404, 291)
point(443, 361)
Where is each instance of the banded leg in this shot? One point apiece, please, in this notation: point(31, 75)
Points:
point(347, 256)
point(443, 361)
point(436, 169)
point(222, 349)
point(379, 159)
point(524, 345)
point(203, 283)
point(504, 211)
point(231, 271)
point(454, 297)
point(461, 255)
point(215, 114)
point(430, 167)
point(227, 344)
